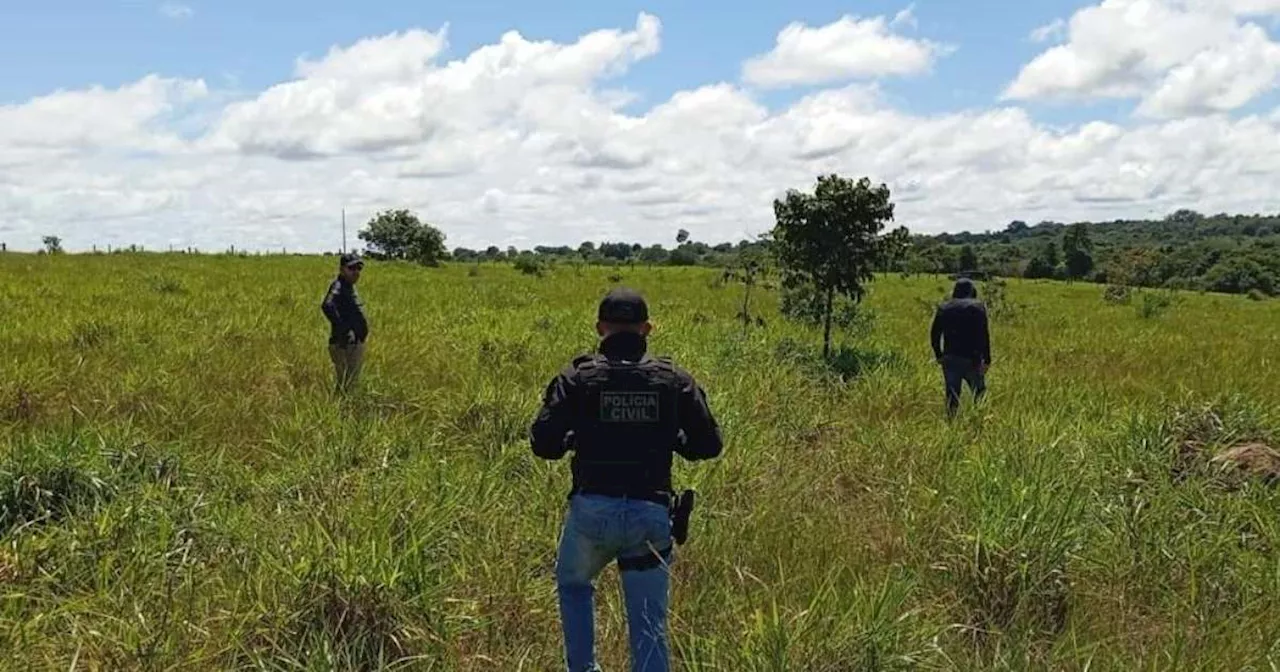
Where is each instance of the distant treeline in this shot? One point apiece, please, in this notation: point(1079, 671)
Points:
point(610, 253)
point(1236, 254)
point(1186, 250)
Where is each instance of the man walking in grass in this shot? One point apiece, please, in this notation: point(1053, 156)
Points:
point(348, 327)
point(623, 413)
point(962, 343)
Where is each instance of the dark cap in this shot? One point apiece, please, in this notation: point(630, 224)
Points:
point(350, 259)
point(623, 306)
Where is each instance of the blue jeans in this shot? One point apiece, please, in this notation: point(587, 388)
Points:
point(636, 533)
point(957, 371)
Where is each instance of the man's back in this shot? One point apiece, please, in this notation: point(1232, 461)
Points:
point(960, 326)
point(626, 418)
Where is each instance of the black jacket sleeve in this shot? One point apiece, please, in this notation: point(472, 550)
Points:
point(701, 431)
point(330, 306)
point(935, 334)
point(553, 422)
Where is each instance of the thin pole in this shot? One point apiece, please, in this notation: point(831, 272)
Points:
point(344, 230)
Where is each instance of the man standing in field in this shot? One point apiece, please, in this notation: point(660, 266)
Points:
point(962, 343)
point(623, 413)
point(348, 327)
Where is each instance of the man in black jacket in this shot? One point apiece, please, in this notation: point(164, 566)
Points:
point(962, 343)
point(348, 327)
point(623, 414)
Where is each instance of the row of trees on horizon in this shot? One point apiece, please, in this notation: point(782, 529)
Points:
point(1184, 250)
point(1236, 254)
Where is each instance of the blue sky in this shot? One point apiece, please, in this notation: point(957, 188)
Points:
point(74, 44)
point(203, 134)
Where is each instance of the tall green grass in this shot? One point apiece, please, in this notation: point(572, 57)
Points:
point(179, 490)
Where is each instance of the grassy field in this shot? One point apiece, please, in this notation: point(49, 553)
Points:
point(178, 490)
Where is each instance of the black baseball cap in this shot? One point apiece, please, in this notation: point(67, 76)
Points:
point(350, 259)
point(623, 306)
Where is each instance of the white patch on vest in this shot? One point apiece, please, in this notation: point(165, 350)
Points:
point(629, 407)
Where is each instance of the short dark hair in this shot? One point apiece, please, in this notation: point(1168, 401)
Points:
point(623, 306)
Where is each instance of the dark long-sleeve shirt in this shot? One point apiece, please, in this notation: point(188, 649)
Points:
point(345, 311)
point(960, 329)
point(625, 456)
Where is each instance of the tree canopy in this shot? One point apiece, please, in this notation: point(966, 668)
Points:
point(829, 242)
point(398, 234)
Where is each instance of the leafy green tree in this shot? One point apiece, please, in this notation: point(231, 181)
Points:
point(619, 251)
point(1185, 216)
point(654, 254)
point(749, 268)
point(682, 256)
point(52, 244)
point(398, 234)
point(968, 259)
point(829, 240)
point(1239, 275)
point(1045, 264)
point(1051, 256)
point(1077, 247)
point(1038, 268)
point(1138, 267)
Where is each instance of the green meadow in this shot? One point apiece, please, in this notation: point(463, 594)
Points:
point(179, 489)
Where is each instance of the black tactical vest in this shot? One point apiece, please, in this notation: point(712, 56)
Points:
point(627, 425)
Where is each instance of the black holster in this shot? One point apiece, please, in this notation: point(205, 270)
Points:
point(681, 508)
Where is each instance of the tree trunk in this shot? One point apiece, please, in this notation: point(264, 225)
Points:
point(826, 332)
point(746, 307)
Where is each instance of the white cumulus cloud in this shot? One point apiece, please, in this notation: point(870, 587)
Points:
point(848, 48)
point(1177, 57)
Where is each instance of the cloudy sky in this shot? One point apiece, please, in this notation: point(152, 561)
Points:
point(210, 124)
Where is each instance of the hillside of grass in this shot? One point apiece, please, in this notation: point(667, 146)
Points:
point(178, 489)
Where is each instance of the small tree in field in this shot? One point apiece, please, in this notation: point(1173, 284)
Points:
point(397, 234)
point(748, 268)
point(830, 240)
point(52, 244)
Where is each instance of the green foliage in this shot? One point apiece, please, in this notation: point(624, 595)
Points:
point(1174, 252)
point(1155, 304)
point(1050, 255)
point(829, 241)
point(398, 234)
point(52, 244)
point(1117, 294)
point(530, 265)
point(749, 269)
point(969, 259)
point(1240, 276)
point(164, 284)
point(995, 293)
point(1077, 248)
point(1040, 267)
point(802, 304)
point(1134, 268)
